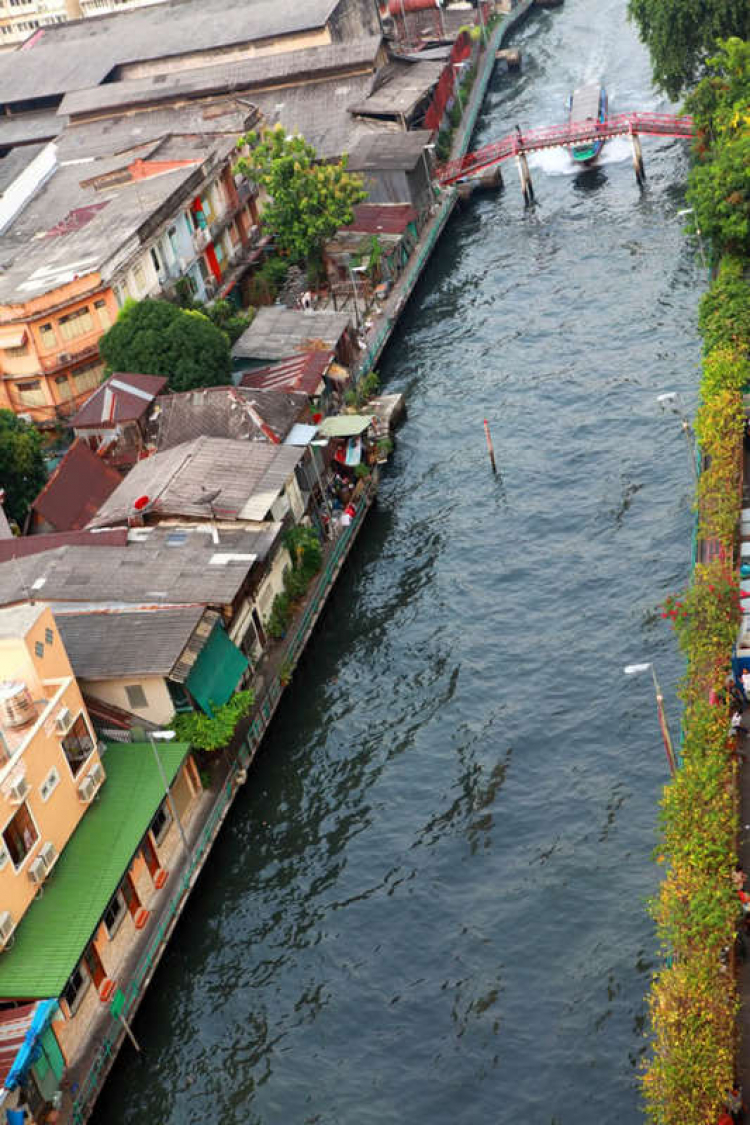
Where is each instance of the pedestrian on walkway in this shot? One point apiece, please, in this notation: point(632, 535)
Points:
point(745, 678)
point(736, 725)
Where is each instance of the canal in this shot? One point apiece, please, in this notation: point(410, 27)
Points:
point(428, 902)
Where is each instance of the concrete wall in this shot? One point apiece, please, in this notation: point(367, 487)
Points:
point(52, 802)
point(159, 708)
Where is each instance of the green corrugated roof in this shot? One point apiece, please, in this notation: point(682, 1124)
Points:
point(55, 930)
point(216, 672)
point(345, 425)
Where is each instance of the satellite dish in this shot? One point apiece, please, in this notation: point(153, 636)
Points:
point(141, 503)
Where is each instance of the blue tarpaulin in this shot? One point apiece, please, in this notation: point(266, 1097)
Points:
point(26, 1053)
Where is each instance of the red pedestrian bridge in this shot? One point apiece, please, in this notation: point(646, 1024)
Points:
point(518, 144)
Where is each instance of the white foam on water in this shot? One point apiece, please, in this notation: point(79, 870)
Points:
point(559, 162)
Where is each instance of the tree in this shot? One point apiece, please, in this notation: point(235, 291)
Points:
point(226, 316)
point(308, 202)
point(22, 468)
point(158, 338)
point(719, 186)
point(681, 35)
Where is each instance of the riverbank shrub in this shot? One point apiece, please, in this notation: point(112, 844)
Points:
point(206, 732)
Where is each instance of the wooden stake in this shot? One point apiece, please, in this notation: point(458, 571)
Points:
point(129, 1032)
point(489, 445)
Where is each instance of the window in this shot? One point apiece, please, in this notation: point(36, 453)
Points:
point(172, 236)
point(75, 989)
point(94, 965)
point(102, 312)
point(114, 914)
point(19, 836)
point(47, 336)
point(139, 278)
point(159, 826)
point(39, 648)
point(31, 394)
point(49, 636)
point(64, 389)
point(136, 696)
point(155, 259)
point(87, 378)
point(76, 324)
point(50, 783)
point(22, 349)
point(120, 295)
point(77, 745)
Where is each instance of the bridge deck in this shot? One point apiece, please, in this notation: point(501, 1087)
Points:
point(563, 136)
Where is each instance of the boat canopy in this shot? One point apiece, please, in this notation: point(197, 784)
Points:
point(585, 103)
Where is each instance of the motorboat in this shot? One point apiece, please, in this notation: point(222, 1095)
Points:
point(587, 103)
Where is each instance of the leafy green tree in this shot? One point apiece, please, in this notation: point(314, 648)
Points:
point(682, 34)
point(158, 338)
point(719, 185)
point(308, 201)
point(22, 469)
point(226, 316)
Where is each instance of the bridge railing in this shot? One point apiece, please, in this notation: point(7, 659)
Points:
point(562, 136)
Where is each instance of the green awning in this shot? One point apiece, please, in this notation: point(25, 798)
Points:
point(216, 672)
point(345, 425)
point(57, 927)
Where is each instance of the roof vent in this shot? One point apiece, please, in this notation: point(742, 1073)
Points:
point(16, 705)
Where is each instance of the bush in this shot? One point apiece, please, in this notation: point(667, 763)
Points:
point(213, 733)
point(724, 317)
point(280, 616)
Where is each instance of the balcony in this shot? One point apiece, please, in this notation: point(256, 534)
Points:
point(201, 239)
point(64, 359)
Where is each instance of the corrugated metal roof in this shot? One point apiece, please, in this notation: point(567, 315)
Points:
point(276, 332)
point(57, 927)
point(233, 473)
point(243, 74)
point(302, 372)
point(106, 644)
point(404, 86)
point(14, 1026)
point(345, 425)
point(21, 545)
point(381, 218)
point(80, 53)
point(121, 398)
point(77, 488)
point(238, 413)
point(169, 566)
point(398, 152)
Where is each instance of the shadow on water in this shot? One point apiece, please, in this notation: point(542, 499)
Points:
point(429, 899)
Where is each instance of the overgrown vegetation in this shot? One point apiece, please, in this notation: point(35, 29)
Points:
point(693, 1001)
point(306, 554)
point(681, 35)
point(214, 733)
point(308, 201)
point(22, 469)
point(159, 338)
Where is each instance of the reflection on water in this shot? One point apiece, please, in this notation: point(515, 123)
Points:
point(428, 902)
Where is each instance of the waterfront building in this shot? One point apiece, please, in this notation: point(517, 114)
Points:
point(276, 333)
point(396, 172)
point(48, 757)
point(112, 420)
point(84, 229)
point(234, 413)
point(73, 493)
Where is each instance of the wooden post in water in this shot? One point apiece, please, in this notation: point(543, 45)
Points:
point(523, 172)
point(640, 173)
point(489, 445)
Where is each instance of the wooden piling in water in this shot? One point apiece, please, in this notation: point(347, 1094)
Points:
point(640, 172)
point(523, 172)
point(489, 445)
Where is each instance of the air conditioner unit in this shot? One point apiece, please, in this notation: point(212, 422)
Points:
point(64, 719)
point(25, 417)
point(48, 852)
point(96, 773)
point(64, 357)
point(7, 926)
point(37, 871)
point(87, 788)
point(18, 791)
